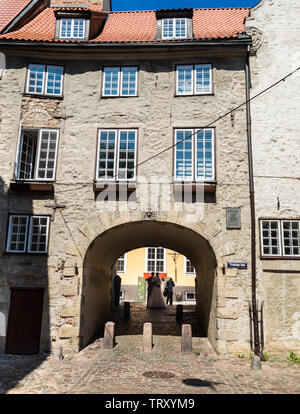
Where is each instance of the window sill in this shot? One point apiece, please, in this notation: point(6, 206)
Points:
point(118, 96)
point(279, 257)
point(193, 94)
point(207, 187)
point(29, 186)
point(22, 254)
point(117, 186)
point(43, 96)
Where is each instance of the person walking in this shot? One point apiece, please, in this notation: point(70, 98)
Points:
point(170, 290)
point(150, 287)
point(117, 290)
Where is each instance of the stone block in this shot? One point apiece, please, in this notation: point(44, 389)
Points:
point(227, 313)
point(69, 272)
point(227, 335)
point(109, 335)
point(69, 311)
point(69, 290)
point(186, 338)
point(147, 337)
point(72, 250)
point(68, 332)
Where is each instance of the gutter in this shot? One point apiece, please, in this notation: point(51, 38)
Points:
point(257, 350)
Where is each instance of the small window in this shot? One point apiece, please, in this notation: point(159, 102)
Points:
point(194, 155)
point(28, 234)
point(291, 237)
point(270, 233)
point(174, 28)
point(120, 81)
point(280, 238)
point(72, 28)
point(37, 155)
point(116, 155)
point(155, 259)
point(194, 79)
point(188, 267)
point(190, 296)
point(45, 80)
point(121, 264)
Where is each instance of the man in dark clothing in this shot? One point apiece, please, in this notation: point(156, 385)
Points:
point(170, 287)
point(150, 286)
point(117, 289)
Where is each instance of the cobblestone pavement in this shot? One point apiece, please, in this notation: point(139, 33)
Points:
point(126, 369)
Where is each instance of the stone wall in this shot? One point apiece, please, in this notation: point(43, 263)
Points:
point(155, 112)
point(275, 127)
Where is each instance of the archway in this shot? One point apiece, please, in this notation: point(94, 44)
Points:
point(106, 248)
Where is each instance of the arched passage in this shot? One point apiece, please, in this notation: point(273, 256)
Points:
point(104, 251)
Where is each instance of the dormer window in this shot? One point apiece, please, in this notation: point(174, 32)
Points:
point(174, 28)
point(72, 28)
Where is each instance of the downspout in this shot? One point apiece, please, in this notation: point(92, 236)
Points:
point(252, 209)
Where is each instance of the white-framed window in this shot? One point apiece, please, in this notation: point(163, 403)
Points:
point(116, 156)
point(121, 264)
point(280, 237)
point(45, 80)
point(174, 28)
point(194, 155)
point(37, 154)
point(155, 260)
point(120, 81)
point(72, 28)
point(28, 234)
point(194, 79)
point(188, 267)
point(190, 296)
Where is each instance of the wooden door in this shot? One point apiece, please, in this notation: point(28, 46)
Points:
point(24, 321)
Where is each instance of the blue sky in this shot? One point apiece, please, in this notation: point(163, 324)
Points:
point(120, 5)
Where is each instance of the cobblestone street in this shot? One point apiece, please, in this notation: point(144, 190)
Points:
point(126, 369)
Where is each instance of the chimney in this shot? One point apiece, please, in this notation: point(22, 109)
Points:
point(104, 4)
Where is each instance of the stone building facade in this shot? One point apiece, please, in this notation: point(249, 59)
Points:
point(86, 233)
point(274, 26)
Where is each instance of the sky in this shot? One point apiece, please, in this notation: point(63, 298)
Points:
point(120, 5)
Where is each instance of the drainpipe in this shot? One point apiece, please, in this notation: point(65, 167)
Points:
point(252, 209)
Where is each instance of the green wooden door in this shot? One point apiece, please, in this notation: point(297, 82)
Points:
point(141, 293)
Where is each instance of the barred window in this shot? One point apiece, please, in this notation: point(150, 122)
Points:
point(27, 234)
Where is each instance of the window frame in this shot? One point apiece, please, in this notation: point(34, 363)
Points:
point(174, 28)
point(45, 81)
point(185, 267)
point(193, 92)
point(28, 235)
point(125, 264)
point(36, 160)
point(72, 28)
point(155, 260)
point(115, 178)
point(194, 156)
point(120, 81)
point(282, 254)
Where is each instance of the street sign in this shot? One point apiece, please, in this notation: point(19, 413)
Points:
point(237, 265)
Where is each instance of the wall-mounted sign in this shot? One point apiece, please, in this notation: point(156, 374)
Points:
point(237, 265)
point(233, 218)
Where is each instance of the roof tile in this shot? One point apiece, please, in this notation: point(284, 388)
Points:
point(9, 9)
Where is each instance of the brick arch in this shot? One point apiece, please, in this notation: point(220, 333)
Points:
point(106, 248)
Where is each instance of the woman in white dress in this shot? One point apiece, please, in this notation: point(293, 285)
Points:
point(156, 299)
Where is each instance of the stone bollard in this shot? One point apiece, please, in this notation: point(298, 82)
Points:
point(109, 335)
point(126, 311)
point(179, 313)
point(256, 362)
point(147, 337)
point(186, 338)
point(57, 353)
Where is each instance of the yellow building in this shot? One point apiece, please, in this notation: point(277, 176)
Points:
point(135, 266)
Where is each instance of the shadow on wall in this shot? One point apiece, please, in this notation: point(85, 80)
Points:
point(24, 303)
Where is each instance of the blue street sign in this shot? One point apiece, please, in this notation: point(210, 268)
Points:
point(240, 265)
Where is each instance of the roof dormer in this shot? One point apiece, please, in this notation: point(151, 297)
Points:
point(174, 24)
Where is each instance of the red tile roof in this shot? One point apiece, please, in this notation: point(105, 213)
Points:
point(9, 9)
point(139, 26)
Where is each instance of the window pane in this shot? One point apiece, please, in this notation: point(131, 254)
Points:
point(72, 28)
point(180, 28)
point(291, 237)
point(184, 80)
point(38, 234)
point(120, 267)
point(26, 160)
point(129, 81)
point(167, 28)
point(111, 81)
point(203, 79)
point(17, 234)
point(47, 155)
point(78, 28)
point(127, 144)
point(106, 154)
point(36, 74)
point(155, 259)
point(271, 238)
point(66, 28)
point(189, 267)
point(54, 80)
point(204, 155)
point(184, 155)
